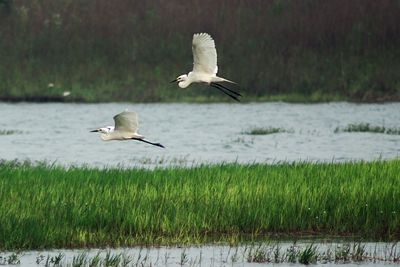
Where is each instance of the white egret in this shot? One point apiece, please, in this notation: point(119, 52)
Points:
point(126, 126)
point(205, 66)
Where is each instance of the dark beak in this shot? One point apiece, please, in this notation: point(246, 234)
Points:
point(173, 81)
point(94, 131)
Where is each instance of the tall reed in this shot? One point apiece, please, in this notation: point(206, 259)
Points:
point(49, 206)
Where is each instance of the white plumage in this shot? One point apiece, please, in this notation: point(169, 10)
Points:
point(126, 121)
point(204, 54)
point(126, 126)
point(205, 66)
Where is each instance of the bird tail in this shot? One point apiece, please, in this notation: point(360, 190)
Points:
point(220, 79)
point(229, 81)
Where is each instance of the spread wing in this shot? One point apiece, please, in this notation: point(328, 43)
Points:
point(126, 121)
point(204, 54)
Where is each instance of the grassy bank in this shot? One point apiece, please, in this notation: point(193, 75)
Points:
point(128, 51)
point(45, 206)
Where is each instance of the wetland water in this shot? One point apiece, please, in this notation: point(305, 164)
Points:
point(192, 134)
point(197, 133)
point(278, 253)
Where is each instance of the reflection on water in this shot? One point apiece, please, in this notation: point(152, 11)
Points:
point(197, 133)
point(278, 253)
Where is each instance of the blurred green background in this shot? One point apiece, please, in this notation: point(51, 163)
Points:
point(129, 50)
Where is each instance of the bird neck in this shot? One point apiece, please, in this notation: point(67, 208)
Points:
point(105, 136)
point(184, 84)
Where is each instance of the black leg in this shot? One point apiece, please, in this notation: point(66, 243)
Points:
point(226, 88)
point(225, 92)
point(148, 142)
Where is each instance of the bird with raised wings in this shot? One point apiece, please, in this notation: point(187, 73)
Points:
point(126, 126)
point(205, 66)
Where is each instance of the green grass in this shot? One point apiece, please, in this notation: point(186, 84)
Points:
point(266, 131)
point(366, 127)
point(49, 206)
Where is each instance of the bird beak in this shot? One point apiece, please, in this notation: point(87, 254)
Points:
point(94, 131)
point(173, 81)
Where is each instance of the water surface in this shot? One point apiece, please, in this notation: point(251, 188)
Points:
point(197, 133)
point(373, 254)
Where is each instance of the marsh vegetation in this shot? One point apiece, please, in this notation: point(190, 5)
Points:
point(128, 51)
point(49, 206)
point(367, 127)
point(9, 132)
point(267, 130)
point(248, 254)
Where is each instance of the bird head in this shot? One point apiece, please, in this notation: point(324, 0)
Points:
point(103, 130)
point(182, 81)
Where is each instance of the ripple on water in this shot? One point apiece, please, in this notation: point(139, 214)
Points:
point(198, 133)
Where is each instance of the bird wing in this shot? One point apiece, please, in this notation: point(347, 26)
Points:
point(204, 54)
point(126, 121)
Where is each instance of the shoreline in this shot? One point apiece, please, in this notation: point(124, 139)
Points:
point(288, 98)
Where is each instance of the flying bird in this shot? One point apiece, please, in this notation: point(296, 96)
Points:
point(126, 126)
point(205, 66)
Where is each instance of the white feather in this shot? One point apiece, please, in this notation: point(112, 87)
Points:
point(126, 121)
point(204, 54)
